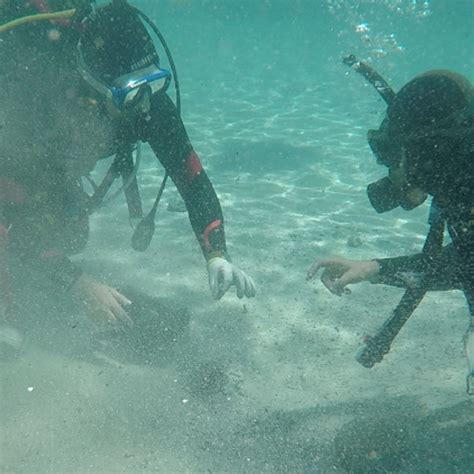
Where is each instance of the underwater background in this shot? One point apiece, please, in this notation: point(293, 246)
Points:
point(269, 384)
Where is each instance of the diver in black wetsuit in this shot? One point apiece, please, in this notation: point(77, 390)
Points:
point(77, 88)
point(427, 142)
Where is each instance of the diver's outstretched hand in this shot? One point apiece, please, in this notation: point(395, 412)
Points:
point(340, 272)
point(224, 274)
point(103, 303)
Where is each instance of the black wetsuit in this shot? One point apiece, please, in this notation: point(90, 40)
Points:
point(454, 265)
point(52, 133)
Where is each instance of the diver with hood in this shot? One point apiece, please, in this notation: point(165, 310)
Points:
point(80, 83)
point(426, 141)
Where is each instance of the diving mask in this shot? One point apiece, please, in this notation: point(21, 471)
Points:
point(385, 149)
point(385, 195)
point(126, 91)
point(393, 190)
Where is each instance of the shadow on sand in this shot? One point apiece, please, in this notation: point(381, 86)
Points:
point(369, 437)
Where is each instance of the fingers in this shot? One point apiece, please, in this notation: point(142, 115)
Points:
point(214, 284)
point(347, 278)
point(120, 314)
point(111, 308)
point(239, 282)
point(336, 275)
point(123, 300)
point(118, 301)
point(227, 276)
point(220, 281)
point(225, 280)
point(108, 317)
point(313, 269)
point(112, 316)
point(318, 264)
point(328, 281)
point(250, 290)
point(244, 284)
point(339, 289)
point(331, 283)
point(223, 274)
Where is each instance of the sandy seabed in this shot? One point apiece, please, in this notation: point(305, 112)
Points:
point(263, 385)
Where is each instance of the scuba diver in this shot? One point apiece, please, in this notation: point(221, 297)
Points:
point(426, 141)
point(81, 83)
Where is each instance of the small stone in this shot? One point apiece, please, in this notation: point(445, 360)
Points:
point(354, 241)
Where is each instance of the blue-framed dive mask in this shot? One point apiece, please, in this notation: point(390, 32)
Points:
point(126, 91)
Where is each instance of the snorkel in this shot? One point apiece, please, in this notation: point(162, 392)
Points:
point(372, 76)
point(391, 191)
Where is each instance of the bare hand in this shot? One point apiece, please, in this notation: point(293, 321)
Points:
point(103, 303)
point(340, 272)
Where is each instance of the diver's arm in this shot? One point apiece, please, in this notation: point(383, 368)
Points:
point(418, 263)
point(431, 273)
point(461, 231)
point(436, 272)
point(102, 303)
point(58, 268)
point(166, 134)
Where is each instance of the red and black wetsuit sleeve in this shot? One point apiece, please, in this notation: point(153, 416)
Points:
point(167, 136)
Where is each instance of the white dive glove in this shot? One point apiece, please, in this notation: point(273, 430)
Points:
point(224, 274)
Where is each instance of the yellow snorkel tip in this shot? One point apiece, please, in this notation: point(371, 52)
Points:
point(64, 14)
